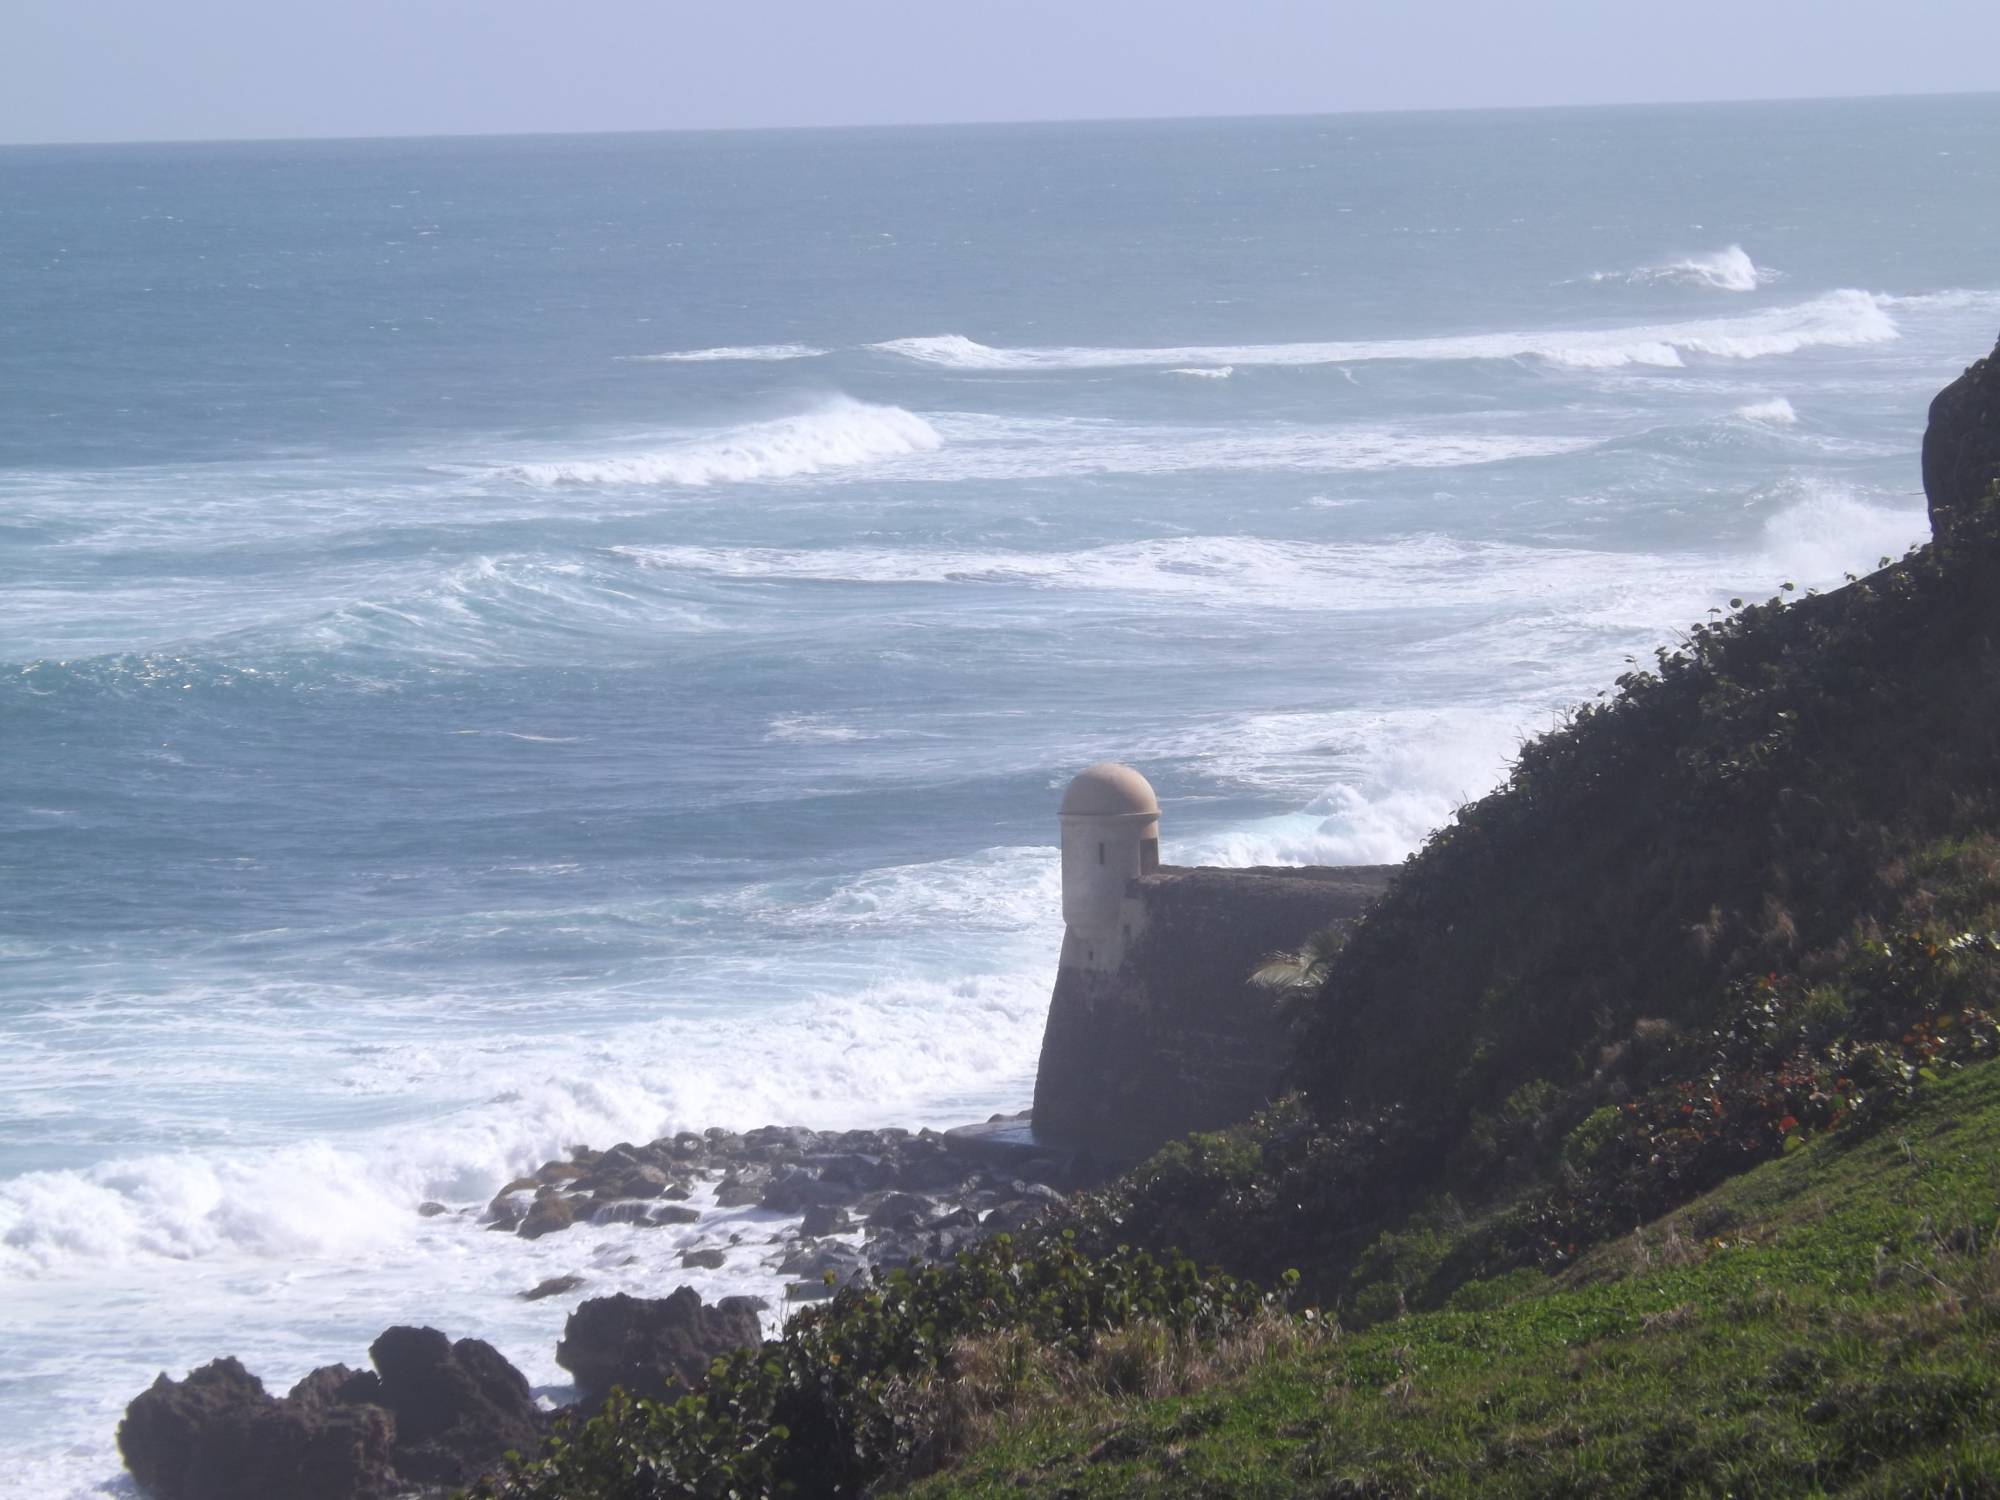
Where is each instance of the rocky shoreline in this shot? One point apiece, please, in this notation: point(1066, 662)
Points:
point(434, 1414)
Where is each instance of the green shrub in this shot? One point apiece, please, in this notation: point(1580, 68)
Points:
point(828, 1408)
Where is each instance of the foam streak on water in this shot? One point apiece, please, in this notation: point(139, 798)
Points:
point(498, 655)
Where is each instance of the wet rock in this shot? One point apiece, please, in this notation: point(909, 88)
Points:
point(703, 1260)
point(509, 1207)
point(637, 1181)
point(458, 1406)
point(741, 1188)
point(816, 1260)
point(893, 1249)
point(652, 1346)
point(824, 1219)
point(898, 1210)
point(430, 1413)
point(547, 1214)
point(795, 1189)
point(218, 1435)
point(555, 1286)
point(431, 1210)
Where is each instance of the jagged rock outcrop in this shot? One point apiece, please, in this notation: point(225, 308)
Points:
point(219, 1435)
point(653, 1346)
point(458, 1406)
point(1962, 446)
point(828, 1177)
point(431, 1413)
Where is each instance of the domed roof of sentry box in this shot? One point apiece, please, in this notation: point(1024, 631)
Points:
point(1108, 789)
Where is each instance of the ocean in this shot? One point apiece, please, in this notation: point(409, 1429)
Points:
point(516, 643)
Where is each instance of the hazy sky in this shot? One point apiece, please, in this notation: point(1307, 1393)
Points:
point(179, 69)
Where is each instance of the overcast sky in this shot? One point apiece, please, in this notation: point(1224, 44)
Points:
point(97, 70)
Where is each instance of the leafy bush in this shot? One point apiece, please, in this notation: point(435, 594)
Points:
point(832, 1407)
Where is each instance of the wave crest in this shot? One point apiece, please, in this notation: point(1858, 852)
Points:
point(1842, 319)
point(729, 352)
point(838, 434)
point(1727, 270)
point(1777, 412)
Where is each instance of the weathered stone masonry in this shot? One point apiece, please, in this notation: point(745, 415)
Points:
point(1154, 1029)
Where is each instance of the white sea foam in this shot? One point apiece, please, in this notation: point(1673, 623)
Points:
point(1824, 529)
point(1409, 771)
point(1060, 449)
point(303, 1252)
point(1204, 571)
point(1726, 270)
point(1841, 319)
point(1775, 412)
point(1206, 372)
point(813, 729)
point(730, 352)
point(913, 1049)
point(490, 610)
point(837, 434)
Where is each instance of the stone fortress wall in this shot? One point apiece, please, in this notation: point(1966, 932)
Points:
point(1154, 1028)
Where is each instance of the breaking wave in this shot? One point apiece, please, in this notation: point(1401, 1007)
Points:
point(838, 434)
point(1842, 319)
point(1777, 412)
point(1727, 270)
point(729, 352)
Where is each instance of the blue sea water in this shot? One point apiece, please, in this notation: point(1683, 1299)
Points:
point(514, 643)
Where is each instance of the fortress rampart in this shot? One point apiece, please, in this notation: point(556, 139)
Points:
point(1154, 1028)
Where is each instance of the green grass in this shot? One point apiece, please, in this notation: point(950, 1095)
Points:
point(1826, 1323)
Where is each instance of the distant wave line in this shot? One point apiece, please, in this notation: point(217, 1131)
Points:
point(1841, 319)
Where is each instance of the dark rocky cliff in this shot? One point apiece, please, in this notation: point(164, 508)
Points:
point(1177, 1038)
point(1962, 447)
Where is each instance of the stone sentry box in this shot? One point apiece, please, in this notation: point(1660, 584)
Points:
point(1110, 837)
point(1154, 1029)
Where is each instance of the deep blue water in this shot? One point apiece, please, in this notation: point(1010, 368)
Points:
point(436, 729)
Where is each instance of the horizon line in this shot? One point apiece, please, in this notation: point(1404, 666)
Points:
point(997, 124)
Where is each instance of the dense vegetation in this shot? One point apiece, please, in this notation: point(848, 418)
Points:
point(1752, 898)
point(870, 1386)
point(1824, 1324)
point(1741, 913)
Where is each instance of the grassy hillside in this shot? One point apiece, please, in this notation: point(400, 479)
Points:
point(1825, 1323)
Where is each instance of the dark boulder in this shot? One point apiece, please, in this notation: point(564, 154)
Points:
point(218, 1435)
point(431, 1413)
point(823, 1219)
point(795, 1189)
point(816, 1260)
point(741, 1188)
point(1962, 446)
point(652, 1347)
point(899, 1211)
point(458, 1406)
point(548, 1213)
point(553, 1286)
point(706, 1259)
